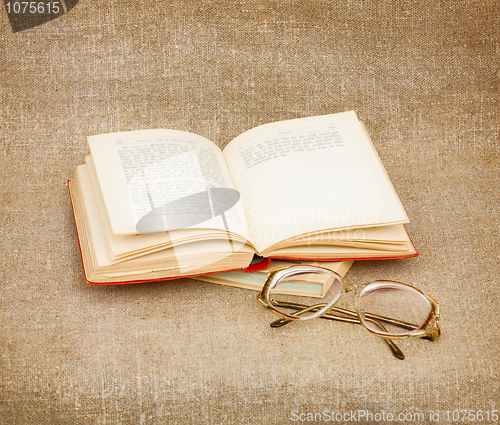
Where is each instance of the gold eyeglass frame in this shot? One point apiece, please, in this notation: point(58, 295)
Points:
point(429, 330)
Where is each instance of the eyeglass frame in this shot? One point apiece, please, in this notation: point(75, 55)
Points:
point(428, 330)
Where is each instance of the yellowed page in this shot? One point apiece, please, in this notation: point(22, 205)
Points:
point(382, 234)
point(93, 226)
point(128, 246)
point(340, 252)
point(202, 257)
point(308, 175)
point(140, 171)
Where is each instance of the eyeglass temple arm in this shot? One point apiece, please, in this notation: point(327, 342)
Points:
point(373, 318)
point(328, 315)
point(394, 348)
point(352, 319)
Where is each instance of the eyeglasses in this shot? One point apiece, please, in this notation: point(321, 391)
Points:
point(388, 309)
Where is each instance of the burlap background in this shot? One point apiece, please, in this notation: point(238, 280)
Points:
point(424, 77)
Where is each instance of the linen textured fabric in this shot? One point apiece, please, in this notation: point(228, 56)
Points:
point(423, 76)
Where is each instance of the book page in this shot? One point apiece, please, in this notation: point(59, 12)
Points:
point(200, 257)
point(383, 234)
point(124, 247)
point(163, 180)
point(308, 175)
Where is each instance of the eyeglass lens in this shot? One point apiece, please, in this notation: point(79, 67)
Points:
point(391, 300)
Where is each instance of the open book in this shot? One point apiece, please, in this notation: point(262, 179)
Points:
point(158, 204)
